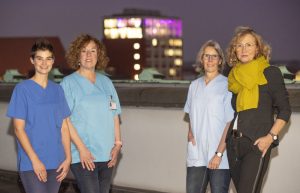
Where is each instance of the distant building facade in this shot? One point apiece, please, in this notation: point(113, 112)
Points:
point(15, 53)
point(138, 39)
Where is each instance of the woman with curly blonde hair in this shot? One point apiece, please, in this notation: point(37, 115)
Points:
point(263, 49)
point(258, 89)
point(94, 121)
point(73, 54)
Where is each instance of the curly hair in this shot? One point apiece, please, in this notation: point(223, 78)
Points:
point(264, 49)
point(73, 53)
point(217, 47)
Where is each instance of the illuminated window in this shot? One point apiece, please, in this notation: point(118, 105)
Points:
point(178, 52)
point(106, 32)
point(163, 32)
point(172, 72)
point(136, 46)
point(136, 56)
point(154, 31)
point(163, 27)
point(134, 33)
point(175, 42)
point(178, 62)
point(110, 23)
point(169, 52)
point(154, 42)
point(114, 33)
point(136, 22)
point(136, 77)
point(178, 42)
point(123, 33)
point(121, 23)
point(137, 66)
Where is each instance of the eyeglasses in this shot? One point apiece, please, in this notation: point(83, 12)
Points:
point(212, 57)
point(246, 46)
point(41, 59)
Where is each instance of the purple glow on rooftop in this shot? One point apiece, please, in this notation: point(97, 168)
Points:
point(172, 26)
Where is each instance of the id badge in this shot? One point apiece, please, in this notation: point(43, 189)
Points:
point(112, 104)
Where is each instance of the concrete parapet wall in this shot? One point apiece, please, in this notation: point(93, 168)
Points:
point(154, 151)
point(154, 137)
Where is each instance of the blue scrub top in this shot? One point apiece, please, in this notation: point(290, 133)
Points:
point(91, 114)
point(43, 110)
point(209, 109)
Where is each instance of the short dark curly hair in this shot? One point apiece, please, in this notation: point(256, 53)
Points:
point(73, 53)
point(41, 44)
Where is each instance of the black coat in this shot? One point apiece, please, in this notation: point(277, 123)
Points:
point(273, 99)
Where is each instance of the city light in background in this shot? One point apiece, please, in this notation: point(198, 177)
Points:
point(277, 21)
point(198, 22)
point(156, 40)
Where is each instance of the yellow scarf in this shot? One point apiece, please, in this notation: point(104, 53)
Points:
point(244, 79)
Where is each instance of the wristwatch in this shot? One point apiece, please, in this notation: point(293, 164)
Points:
point(274, 137)
point(219, 154)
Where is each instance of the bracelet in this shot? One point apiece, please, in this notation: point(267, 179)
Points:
point(118, 143)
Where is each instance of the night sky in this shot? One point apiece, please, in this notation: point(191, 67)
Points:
point(278, 21)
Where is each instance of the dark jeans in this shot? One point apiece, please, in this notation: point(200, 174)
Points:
point(97, 181)
point(247, 167)
point(198, 177)
point(32, 184)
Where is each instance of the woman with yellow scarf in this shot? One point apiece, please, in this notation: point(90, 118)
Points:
point(258, 91)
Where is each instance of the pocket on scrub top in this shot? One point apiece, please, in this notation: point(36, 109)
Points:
point(192, 152)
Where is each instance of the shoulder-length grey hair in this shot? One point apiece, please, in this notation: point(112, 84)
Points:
point(217, 47)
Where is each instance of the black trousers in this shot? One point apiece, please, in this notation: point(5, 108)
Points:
point(247, 166)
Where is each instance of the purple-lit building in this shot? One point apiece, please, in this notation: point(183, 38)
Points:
point(138, 39)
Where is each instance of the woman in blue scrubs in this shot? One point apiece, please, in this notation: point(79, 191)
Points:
point(94, 121)
point(39, 110)
point(209, 107)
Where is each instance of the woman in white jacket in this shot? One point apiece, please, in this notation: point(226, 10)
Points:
point(209, 107)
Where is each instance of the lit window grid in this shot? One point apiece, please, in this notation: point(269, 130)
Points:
point(155, 27)
point(132, 22)
point(123, 33)
point(175, 42)
point(173, 52)
point(110, 23)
